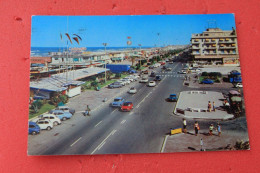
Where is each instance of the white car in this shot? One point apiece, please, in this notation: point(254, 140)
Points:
point(151, 83)
point(143, 80)
point(122, 82)
point(128, 78)
point(239, 85)
point(45, 124)
point(157, 65)
point(126, 81)
point(132, 90)
point(53, 118)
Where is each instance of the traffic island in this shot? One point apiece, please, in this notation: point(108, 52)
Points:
point(194, 104)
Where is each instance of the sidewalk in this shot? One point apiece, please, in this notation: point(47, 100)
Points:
point(194, 104)
point(190, 143)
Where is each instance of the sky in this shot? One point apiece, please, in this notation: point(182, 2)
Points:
point(147, 30)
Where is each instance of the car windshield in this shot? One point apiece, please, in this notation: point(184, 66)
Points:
point(132, 88)
point(172, 95)
point(127, 104)
point(117, 100)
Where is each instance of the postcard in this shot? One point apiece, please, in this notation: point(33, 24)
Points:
point(135, 84)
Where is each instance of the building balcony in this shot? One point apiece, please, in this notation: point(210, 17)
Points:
point(193, 47)
point(227, 48)
point(209, 47)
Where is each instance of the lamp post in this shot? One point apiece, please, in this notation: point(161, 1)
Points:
point(105, 45)
point(140, 51)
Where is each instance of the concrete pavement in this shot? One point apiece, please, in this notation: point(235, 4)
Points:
point(194, 104)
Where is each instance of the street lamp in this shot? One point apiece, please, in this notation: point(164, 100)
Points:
point(105, 45)
point(140, 52)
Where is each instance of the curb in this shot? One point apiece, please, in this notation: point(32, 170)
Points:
point(164, 143)
point(174, 112)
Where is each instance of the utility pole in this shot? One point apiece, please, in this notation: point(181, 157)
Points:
point(105, 45)
point(140, 51)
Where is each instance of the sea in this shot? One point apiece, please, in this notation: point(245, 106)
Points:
point(44, 51)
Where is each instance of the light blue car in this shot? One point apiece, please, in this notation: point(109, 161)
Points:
point(62, 115)
point(118, 102)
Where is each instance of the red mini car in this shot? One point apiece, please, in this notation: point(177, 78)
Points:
point(127, 106)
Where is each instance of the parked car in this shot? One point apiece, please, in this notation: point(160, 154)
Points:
point(151, 83)
point(145, 72)
point(128, 78)
point(34, 129)
point(53, 118)
point(151, 67)
point(152, 74)
point(239, 85)
point(134, 77)
point(157, 65)
point(171, 62)
point(45, 124)
point(182, 72)
point(115, 85)
point(158, 78)
point(168, 69)
point(127, 106)
point(62, 115)
point(162, 63)
point(172, 98)
point(66, 109)
point(207, 81)
point(122, 82)
point(143, 80)
point(132, 90)
point(117, 102)
point(127, 81)
point(164, 67)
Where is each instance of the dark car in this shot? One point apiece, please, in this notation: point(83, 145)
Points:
point(158, 78)
point(152, 74)
point(34, 129)
point(115, 85)
point(207, 81)
point(172, 98)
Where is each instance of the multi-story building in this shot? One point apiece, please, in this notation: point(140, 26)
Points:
point(215, 46)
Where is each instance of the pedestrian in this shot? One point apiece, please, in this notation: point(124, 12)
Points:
point(218, 129)
point(213, 106)
point(211, 127)
point(209, 106)
point(184, 125)
point(88, 110)
point(196, 128)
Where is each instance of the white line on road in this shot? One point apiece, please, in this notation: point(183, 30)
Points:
point(131, 113)
point(75, 142)
point(98, 123)
point(138, 106)
point(104, 141)
point(122, 122)
point(114, 111)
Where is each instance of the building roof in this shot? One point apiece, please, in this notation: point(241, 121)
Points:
point(58, 82)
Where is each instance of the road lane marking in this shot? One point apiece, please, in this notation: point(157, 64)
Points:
point(104, 141)
point(101, 145)
point(98, 123)
point(114, 111)
point(137, 106)
point(75, 142)
point(131, 113)
point(122, 122)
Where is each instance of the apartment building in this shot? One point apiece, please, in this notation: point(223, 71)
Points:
point(215, 46)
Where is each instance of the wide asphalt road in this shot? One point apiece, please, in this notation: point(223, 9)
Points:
point(109, 130)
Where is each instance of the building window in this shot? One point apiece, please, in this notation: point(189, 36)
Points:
point(56, 58)
point(234, 51)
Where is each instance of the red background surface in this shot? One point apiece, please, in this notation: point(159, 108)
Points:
point(15, 17)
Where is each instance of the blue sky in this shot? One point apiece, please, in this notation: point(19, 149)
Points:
point(114, 30)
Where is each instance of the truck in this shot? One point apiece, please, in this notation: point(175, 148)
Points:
point(119, 68)
point(235, 77)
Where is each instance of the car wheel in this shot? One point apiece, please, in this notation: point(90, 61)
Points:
point(64, 118)
point(55, 123)
point(48, 128)
point(34, 133)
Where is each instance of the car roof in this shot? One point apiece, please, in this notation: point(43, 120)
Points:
point(118, 98)
point(32, 123)
point(172, 94)
point(62, 106)
point(127, 102)
point(58, 111)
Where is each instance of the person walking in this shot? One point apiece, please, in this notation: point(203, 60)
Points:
point(209, 106)
point(196, 128)
point(211, 127)
point(87, 112)
point(213, 106)
point(184, 125)
point(218, 129)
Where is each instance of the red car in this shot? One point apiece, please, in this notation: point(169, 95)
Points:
point(162, 63)
point(127, 106)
